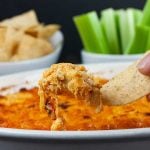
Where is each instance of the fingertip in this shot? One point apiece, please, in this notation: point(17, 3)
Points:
point(144, 65)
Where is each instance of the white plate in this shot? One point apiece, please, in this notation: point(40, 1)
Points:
point(34, 139)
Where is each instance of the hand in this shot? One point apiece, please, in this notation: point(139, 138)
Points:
point(144, 68)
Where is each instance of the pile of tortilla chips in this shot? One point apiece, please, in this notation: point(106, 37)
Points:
point(23, 37)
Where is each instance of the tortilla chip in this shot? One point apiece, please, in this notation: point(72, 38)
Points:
point(31, 47)
point(3, 56)
point(9, 40)
point(24, 20)
point(33, 31)
point(42, 31)
point(12, 40)
point(126, 87)
point(2, 36)
point(48, 31)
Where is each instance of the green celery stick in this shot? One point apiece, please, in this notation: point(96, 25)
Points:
point(130, 26)
point(133, 18)
point(137, 15)
point(83, 33)
point(148, 42)
point(123, 28)
point(110, 29)
point(146, 15)
point(127, 23)
point(93, 22)
point(90, 32)
point(104, 36)
point(118, 28)
point(139, 42)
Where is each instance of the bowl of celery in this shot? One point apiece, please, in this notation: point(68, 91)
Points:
point(114, 35)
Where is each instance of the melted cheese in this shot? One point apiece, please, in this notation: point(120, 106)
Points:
point(76, 115)
point(21, 110)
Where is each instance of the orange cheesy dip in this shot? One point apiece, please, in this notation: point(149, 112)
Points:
point(21, 110)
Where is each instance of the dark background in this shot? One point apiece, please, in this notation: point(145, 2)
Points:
point(61, 12)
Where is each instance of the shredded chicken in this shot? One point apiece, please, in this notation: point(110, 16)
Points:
point(70, 79)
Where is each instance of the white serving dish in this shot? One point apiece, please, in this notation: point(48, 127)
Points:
point(19, 139)
point(37, 63)
point(88, 57)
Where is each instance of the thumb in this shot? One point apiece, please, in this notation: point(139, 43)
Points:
point(144, 65)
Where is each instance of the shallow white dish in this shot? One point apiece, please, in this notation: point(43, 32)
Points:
point(37, 63)
point(88, 57)
point(16, 139)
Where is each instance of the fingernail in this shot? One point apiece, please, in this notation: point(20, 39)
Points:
point(144, 65)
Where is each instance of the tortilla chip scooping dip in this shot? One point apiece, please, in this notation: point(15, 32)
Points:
point(126, 87)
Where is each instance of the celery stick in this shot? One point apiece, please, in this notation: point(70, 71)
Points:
point(98, 35)
point(133, 18)
point(118, 29)
point(123, 28)
point(130, 26)
point(146, 15)
point(104, 36)
point(139, 42)
point(148, 42)
point(90, 32)
point(110, 30)
point(126, 21)
point(137, 15)
point(83, 33)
